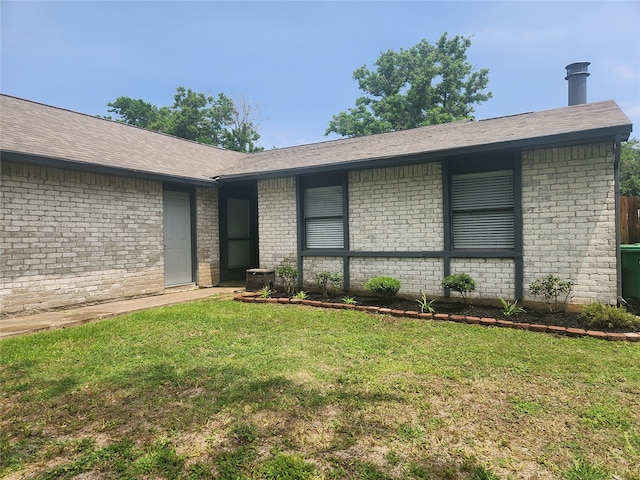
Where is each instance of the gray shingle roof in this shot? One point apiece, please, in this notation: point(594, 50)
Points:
point(33, 129)
point(568, 125)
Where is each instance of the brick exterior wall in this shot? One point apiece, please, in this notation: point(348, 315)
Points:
point(568, 204)
point(568, 200)
point(208, 237)
point(312, 266)
point(495, 277)
point(277, 228)
point(415, 274)
point(396, 209)
point(71, 237)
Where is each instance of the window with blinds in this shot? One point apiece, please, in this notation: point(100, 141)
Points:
point(482, 206)
point(323, 217)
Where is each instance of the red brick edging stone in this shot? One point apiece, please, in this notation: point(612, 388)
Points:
point(250, 297)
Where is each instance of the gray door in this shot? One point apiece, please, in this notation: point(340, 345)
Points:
point(178, 260)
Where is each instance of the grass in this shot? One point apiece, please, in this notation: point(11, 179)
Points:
point(227, 390)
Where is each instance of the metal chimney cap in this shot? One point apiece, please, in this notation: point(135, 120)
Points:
point(577, 68)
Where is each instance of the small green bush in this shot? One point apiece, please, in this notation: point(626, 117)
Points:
point(301, 295)
point(553, 289)
point(329, 282)
point(385, 287)
point(265, 292)
point(461, 283)
point(349, 300)
point(598, 314)
point(426, 305)
point(289, 275)
point(511, 309)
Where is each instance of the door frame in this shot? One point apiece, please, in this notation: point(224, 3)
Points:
point(245, 191)
point(192, 233)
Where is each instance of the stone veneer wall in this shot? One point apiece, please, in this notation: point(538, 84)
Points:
point(568, 202)
point(208, 236)
point(73, 237)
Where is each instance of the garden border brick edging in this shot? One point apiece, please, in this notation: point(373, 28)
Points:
point(490, 322)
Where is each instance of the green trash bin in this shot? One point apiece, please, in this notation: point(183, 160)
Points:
point(630, 270)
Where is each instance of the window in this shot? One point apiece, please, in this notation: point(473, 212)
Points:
point(323, 217)
point(482, 206)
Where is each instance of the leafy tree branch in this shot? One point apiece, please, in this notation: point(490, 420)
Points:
point(195, 116)
point(424, 85)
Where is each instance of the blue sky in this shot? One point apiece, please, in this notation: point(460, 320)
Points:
point(295, 59)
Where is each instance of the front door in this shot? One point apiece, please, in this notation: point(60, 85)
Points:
point(178, 256)
point(238, 229)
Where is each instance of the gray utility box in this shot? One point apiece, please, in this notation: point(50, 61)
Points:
point(258, 278)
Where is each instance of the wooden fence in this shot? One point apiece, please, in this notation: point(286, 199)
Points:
point(629, 220)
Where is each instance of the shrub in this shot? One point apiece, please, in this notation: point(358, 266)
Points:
point(461, 283)
point(426, 305)
point(301, 295)
point(552, 289)
point(385, 287)
point(598, 314)
point(349, 300)
point(510, 309)
point(289, 275)
point(328, 282)
point(265, 292)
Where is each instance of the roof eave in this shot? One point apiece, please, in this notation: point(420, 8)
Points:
point(62, 163)
point(549, 141)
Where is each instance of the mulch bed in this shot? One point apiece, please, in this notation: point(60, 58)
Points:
point(564, 323)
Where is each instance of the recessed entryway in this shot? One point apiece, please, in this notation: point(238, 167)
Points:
point(238, 231)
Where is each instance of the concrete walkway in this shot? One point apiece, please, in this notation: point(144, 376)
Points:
point(75, 316)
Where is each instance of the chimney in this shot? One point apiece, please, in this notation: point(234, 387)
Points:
point(577, 74)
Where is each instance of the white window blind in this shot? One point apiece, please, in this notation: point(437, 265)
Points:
point(482, 210)
point(323, 216)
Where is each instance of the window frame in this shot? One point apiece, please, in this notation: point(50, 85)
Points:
point(480, 164)
point(319, 181)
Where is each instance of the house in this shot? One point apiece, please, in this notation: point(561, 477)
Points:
point(94, 210)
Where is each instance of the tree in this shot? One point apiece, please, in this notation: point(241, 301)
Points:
point(242, 134)
point(630, 168)
point(194, 116)
point(134, 112)
point(424, 85)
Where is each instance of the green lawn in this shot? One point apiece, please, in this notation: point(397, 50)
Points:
point(229, 390)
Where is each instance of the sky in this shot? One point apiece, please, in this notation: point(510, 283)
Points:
point(295, 60)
